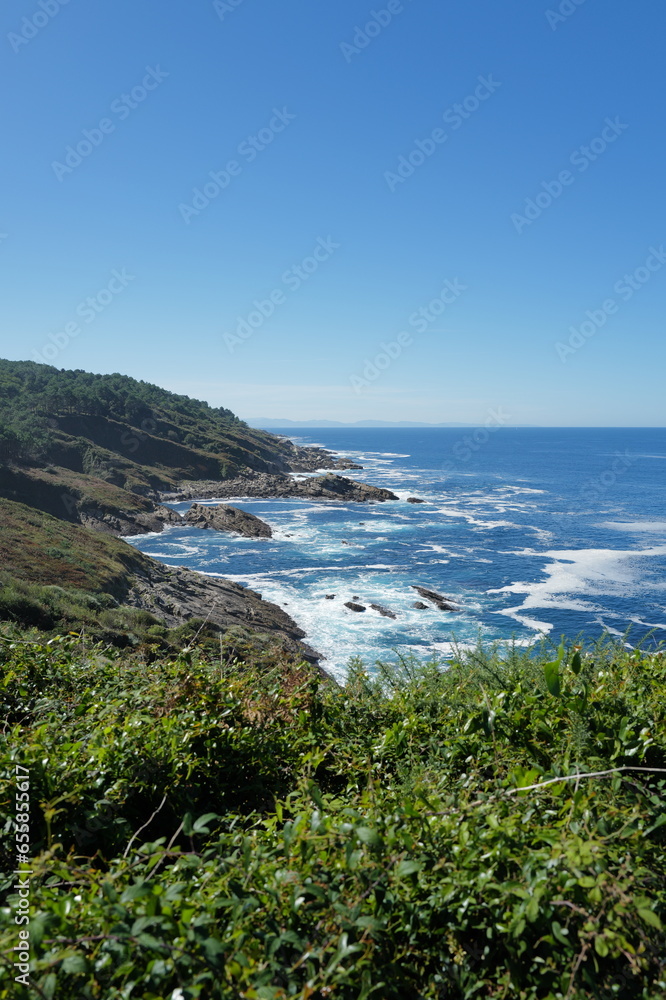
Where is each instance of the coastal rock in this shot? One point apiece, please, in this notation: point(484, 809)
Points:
point(329, 597)
point(354, 607)
point(383, 611)
point(175, 595)
point(110, 521)
point(443, 603)
point(269, 486)
point(420, 606)
point(225, 518)
point(414, 500)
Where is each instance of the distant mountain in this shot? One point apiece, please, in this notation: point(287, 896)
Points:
point(264, 423)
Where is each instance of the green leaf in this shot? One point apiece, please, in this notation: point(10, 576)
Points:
point(552, 674)
point(214, 950)
point(48, 986)
point(576, 663)
point(559, 932)
point(650, 917)
point(201, 825)
point(74, 964)
point(152, 944)
point(368, 836)
point(600, 946)
point(408, 868)
point(315, 794)
point(655, 826)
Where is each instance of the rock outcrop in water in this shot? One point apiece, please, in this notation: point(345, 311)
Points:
point(225, 518)
point(268, 486)
point(443, 603)
point(384, 612)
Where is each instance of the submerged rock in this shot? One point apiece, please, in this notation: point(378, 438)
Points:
point(443, 603)
point(225, 518)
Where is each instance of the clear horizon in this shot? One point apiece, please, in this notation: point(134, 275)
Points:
point(397, 211)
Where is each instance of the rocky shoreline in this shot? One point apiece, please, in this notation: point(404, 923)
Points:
point(277, 486)
point(175, 595)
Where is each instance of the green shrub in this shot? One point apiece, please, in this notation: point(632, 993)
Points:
point(240, 826)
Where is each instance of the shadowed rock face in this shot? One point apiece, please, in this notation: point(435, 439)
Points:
point(443, 603)
point(175, 595)
point(225, 518)
point(259, 484)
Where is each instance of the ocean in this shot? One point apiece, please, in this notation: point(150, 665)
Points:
point(529, 531)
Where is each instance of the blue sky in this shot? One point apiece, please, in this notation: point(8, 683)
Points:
point(368, 250)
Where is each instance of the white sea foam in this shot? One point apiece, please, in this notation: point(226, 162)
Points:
point(592, 572)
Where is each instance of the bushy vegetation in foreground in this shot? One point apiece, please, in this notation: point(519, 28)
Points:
point(239, 829)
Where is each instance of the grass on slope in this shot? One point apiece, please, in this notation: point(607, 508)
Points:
point(58, 577)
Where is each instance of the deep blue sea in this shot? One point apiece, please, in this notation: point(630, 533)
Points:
point(529, 531)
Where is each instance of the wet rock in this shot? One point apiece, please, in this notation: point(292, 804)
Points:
point(354, 607)
point(443, 603)
point(420, 605)
point(225, 518)
point(383, 611)
point(330, 597)
point(414, 500)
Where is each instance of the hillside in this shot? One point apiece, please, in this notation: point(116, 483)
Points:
point(83, 456)
point(129, 433)
point(56, 577)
